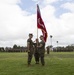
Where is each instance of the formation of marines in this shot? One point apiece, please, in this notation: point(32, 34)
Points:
point(37, 49)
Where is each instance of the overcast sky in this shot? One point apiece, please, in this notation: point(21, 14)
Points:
point(18, 19)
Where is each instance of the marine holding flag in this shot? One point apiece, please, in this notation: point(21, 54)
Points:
point(43, 38)
point(41, 46)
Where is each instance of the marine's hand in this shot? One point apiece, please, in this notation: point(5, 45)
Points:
point(37, 46)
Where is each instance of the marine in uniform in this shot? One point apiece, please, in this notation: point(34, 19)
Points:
point(36, 51)
point(42, 50)
point(48, 49)
point(30, 48)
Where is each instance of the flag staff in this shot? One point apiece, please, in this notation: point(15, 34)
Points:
point(37, 25)
point(37, 33)
point(37, 21)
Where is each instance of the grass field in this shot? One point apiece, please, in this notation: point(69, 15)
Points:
point(61, 63)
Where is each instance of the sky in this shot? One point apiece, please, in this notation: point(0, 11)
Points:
point(18, 19)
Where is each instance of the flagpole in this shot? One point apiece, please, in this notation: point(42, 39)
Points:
point(37, 32)
point(37, 23)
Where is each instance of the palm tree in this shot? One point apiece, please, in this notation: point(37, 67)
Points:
point(57, 41)
point(50, 36)
point(57, 45)
point(51, 39)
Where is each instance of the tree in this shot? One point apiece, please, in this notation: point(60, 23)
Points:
point(57, 42)
point(51, 40)
point(14, 46)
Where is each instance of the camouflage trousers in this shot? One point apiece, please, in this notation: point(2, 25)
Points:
point(36, 55)
point(41, 56)
point(30, 55)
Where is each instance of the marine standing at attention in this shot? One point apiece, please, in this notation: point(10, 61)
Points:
point(30, 48)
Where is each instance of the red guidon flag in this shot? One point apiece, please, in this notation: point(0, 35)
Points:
point(40, 24)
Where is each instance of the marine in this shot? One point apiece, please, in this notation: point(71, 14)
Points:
point(42, 50)
point(36, 51)
point(30, 48)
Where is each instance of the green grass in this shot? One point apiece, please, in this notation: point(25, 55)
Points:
point(57, 63)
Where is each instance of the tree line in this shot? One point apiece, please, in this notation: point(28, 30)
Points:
point(69, 48)
point(17, 48)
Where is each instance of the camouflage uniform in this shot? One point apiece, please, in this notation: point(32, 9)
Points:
point(36, 53)
point(30, 51)
point(48, 50)
point(42, 52)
